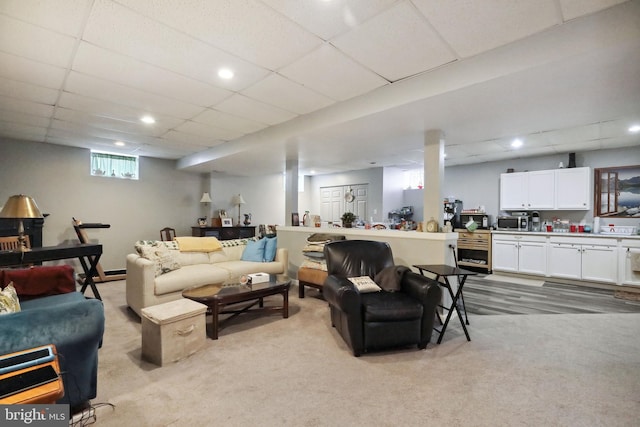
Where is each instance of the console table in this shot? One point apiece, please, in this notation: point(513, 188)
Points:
point(87, 254)
point(224, 233)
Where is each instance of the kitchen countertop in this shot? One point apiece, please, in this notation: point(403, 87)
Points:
point(544, 233)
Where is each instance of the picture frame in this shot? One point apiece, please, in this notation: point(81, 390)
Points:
point(227, 222)
point(223, 213)
point(617, 192)
point(295, 219)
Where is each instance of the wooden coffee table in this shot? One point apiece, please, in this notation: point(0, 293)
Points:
point(217, 297)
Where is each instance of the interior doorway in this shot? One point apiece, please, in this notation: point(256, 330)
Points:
point(336, 200)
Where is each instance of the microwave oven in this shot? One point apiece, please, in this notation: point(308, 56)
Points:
point(483, 220)
point(513, 223)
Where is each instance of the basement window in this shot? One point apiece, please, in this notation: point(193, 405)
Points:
point(114, 165)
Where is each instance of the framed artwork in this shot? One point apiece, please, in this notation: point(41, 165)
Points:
point(295, 219)
point(227, 222)
point(617, 192)
point(223, 213)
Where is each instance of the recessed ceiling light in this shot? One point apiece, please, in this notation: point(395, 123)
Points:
point(119, 143)
point(634, 128)
point(517, 143)
point(148, 120)
point(225, 73)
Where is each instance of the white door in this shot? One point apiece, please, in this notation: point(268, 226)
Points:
point(541, 189)
point(331, 203)
point(504, 255)
point(599, 263)
point(532, 258)
point(513, 191)
point(572, 188)
point(565, 260)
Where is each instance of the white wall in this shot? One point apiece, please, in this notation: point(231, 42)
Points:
point(58, 179)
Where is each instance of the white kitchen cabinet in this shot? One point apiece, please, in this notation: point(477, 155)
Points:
point(527, 190)
point(572, 189)
point(592, 261)
point(561, 189)
point(627, 275)
point(519, 254)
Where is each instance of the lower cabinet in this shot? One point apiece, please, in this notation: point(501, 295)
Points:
point(592, 262)
point(520, 254)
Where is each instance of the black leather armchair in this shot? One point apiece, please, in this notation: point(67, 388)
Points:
point(377, 320)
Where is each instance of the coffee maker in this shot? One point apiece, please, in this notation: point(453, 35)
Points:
point(536, 225)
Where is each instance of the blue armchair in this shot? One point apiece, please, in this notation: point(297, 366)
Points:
point(72, 322)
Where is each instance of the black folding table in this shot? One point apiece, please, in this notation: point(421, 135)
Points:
point(445, 271)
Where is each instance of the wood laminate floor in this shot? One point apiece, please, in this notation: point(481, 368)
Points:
point(489, 297)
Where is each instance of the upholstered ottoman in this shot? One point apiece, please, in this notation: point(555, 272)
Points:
point(310, 277)
point(173, 330)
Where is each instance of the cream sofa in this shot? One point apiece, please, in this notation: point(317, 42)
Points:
point(144, 289)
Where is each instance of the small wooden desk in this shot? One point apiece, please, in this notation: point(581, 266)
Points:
point(446, 271)
point(46, 393)
point(87, 254)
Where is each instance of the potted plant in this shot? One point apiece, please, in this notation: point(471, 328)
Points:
point(348, 218)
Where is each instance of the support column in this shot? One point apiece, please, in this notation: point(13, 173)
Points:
point(291, 190)
point(433, 175)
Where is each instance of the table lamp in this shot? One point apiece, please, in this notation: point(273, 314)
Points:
point(238, 200)
point(206, 199)
point(20, 207)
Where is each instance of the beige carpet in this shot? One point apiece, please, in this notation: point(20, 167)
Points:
point(516, 280)
point(533, 370)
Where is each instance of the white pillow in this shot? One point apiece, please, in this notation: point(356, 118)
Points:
point(164, 259)
point(365, 284)
point(9, 302)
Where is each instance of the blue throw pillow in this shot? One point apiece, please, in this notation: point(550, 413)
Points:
point(254, 251)
point(270, 248)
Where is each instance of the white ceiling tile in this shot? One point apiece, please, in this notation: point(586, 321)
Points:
point(482, 147)
point(66, 17)
point(617, 128)
point(132, 34)
point(129, 72)
point(28, 71)
point(575, 8)
point(228, 121)
point(108, 123)
point(191, 141)
point(573, 134)
point(22, 118)
point(630, 140)
point(92, 87)
point(242, 106)
point(327, 19)
point(471, 27)
point(114, 111)
point(332, 73)
point(249, 29)
point(73, 128)
point(578, 146)
point(288, 95)
point(26, 107)
point(29, 41)
point(29, 92)
point(207, 131)
point(22, 131)
point(396, 44)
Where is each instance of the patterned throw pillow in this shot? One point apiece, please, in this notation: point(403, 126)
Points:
point(165, 260)
point(9, 302)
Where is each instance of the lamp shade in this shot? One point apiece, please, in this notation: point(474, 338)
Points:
point(238, 200)
point(20, 206)
point(206, 198)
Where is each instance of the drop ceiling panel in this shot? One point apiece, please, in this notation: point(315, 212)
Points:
point(333, 74)
point(22, 131)
point(327, 19)
point(288, 95)
point(28, 92)
point(578, 146)
point(59, 127)
point(64, 17)
point(129, 72)
point(26, 107)
point(82, 117)
point(395, 44)
point(207, 131)
point(242, 106)
point(20, 118)
point(114, 111)
point(183, 140)
point(28, 71)
point(82, 84)
point(573, 134)
point(250, 29)
point(136, 36)
point(484, 147)
point(228, 121)
point(33, 42)
point(471, 27)
point(574, 8)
